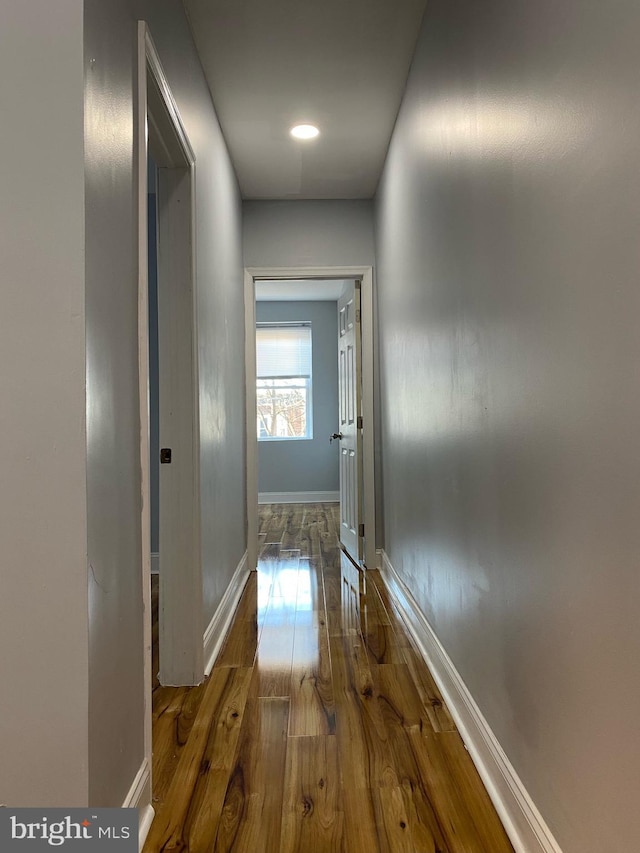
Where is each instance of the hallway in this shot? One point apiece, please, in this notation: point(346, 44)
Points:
point(320, 728)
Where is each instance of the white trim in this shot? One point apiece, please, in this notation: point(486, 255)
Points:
point(251, 417)
point(139, 797)
point(221, 622)
point(134, 798)
point(147, 814)
point(152, 58)
point(365, 273)
point(522, 821)
point(298, 497)
point(155, 563)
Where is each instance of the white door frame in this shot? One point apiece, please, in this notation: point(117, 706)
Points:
point(365, 273)
point(157, 116)
point(180, 634)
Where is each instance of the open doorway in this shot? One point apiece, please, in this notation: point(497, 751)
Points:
point(175, 501)
point(297, 391)
point(173, 495)
point(287, 286)
point(168, 374)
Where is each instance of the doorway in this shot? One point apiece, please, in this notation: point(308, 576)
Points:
point(297, 391)
point(285, 276)
point(177, 468)
point(176, 488)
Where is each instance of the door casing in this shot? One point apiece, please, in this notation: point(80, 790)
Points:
point(157, 120)
point(365, 274)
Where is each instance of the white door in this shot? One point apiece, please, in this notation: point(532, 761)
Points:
point(349, 432)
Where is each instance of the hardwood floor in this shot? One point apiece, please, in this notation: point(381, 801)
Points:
point(320, 727)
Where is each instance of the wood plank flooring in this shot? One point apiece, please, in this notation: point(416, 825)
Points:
point(320, 727)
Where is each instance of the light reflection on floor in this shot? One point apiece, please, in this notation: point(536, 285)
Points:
point(285, 610)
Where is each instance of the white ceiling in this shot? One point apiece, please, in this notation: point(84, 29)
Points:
point(339, 64)
point(299, 290)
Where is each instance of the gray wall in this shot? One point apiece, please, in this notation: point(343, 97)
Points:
point(308, 233)
point(70, 487)
point(507, 235)
point(113, 486)
point(43, 593)
point(307, 466)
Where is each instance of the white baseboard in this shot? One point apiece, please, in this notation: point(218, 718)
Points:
point(139, 797)
point(221, 621)
point(298, 497)
point(147, 814)
point(155, 563)
point(522, 821)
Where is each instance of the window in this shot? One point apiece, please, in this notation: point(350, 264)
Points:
point(283, 361)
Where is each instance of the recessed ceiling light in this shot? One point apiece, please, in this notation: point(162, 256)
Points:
point(304, 131)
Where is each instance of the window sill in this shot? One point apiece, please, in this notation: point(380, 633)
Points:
point(270, 439)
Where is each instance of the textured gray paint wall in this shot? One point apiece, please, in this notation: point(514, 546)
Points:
point(307, 466)
point(116, 700)
point(113, 485)
point(507, 237)
point(43, 535)
point(307, 233)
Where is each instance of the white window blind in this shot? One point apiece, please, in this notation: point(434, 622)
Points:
point(283, 351)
